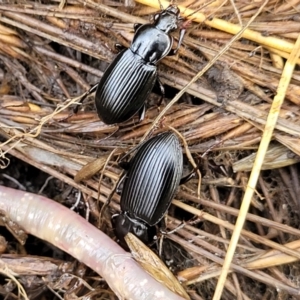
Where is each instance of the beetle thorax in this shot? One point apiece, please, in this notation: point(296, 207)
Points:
point(167, 21)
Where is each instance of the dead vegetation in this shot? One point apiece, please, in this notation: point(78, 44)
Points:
point(52, 53)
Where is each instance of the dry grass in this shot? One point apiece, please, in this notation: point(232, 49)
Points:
point(49, 56)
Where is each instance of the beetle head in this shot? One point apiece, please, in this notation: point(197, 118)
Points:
point(167, 20)
point(123, 224)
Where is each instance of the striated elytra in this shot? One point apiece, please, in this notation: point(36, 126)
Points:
point(127, 82)
point(151, 181)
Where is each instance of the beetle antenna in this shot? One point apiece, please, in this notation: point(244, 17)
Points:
point(203, 6)
point(84, 96)
point(160, 5)
point(189, 5)
point(212, 147)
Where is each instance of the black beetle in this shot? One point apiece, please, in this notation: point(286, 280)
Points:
point(129, 79)
point(151, 181)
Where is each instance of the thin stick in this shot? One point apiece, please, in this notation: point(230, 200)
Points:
point(254, 237)
point(263, 147)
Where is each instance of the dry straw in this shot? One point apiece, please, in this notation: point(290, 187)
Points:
point(240, 66)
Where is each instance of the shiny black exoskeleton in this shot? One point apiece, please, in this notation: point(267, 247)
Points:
point(151, 181)
point(127, 82)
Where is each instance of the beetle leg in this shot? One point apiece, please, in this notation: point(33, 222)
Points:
point(136, 26)
point(188, 177)
point(90, 91)
point(181, 225)
point(181, 35)
point(119, 47)
point(124, 165)
point(142, 112)
point(162, 90)
point(118, 189)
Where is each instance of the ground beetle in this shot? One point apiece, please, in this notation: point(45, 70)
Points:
point(129, 79)
point(152, 178)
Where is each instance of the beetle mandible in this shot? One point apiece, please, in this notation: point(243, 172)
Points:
point(153, 176)
point(129, 79)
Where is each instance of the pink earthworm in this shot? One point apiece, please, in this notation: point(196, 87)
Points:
point(56, 224)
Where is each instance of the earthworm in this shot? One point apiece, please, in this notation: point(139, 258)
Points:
point(56, 224)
